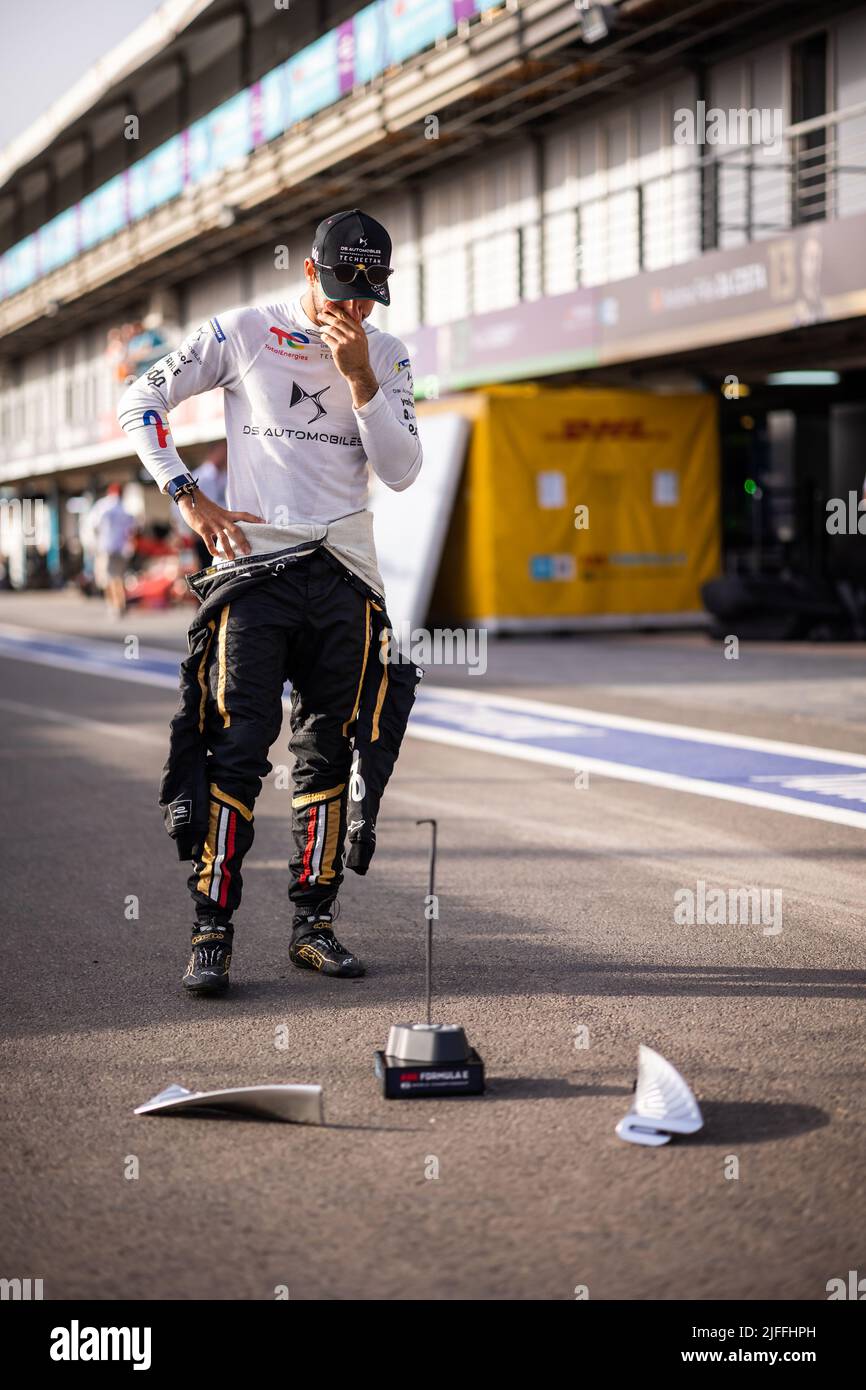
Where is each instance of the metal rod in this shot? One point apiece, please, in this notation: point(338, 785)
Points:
point(429, 918)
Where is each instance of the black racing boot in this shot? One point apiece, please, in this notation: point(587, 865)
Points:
point(208, 968)
point(315, 947)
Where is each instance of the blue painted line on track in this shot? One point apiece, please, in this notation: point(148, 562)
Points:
point(828, 784)
point(832, 781)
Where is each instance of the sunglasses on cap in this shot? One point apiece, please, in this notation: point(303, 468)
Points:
point(345, 274)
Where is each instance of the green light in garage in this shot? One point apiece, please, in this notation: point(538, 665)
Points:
point(751, 486)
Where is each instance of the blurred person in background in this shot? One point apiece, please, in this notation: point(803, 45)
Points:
point(145, 346)
point(115, 353)
point(314, 396)
point(111, 527)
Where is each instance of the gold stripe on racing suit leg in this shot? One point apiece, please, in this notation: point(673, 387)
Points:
point(310, 798)
point(383, 684)
point(333, 810)
point(354, 715)
point(209, 852)
point(231, 801)
point(221, 682)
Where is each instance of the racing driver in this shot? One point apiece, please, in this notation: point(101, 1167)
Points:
point(314, 393)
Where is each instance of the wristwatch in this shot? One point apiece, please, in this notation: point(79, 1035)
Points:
point(181, 486)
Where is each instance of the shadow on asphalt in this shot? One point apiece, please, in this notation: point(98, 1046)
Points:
point(123, 975)
point(756, 1121)
point(233, 1117)
point(707, 981)
point(51, 993)
point(725, 1122)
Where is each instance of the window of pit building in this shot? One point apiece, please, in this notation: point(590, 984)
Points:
point(811, 152)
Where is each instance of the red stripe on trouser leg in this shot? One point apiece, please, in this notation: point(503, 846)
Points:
point(230, 849)
point(308, 848)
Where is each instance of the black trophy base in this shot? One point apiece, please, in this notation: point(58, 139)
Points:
point(403, 1080)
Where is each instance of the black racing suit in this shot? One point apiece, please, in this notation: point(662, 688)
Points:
point(298, 615)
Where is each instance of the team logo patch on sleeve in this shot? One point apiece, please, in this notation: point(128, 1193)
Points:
point(152, 417)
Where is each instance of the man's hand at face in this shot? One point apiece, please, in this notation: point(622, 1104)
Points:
point(343, 332)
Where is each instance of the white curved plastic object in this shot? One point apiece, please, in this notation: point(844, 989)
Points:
point(663, 1103)
point(300, 1105)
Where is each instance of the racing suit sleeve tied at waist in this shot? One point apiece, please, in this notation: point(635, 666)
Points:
point(385, 699)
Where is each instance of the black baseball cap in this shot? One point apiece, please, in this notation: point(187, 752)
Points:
point(353, 239)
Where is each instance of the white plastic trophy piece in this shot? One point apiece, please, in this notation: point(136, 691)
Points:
point(300, 1105)
point(429, 1059)
point(663, 1103)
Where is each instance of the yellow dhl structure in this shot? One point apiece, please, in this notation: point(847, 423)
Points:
point(581, 508)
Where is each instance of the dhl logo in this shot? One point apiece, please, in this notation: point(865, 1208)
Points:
point(631, 428)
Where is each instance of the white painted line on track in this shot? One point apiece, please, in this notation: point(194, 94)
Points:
point(649, 777)
point(689, 732)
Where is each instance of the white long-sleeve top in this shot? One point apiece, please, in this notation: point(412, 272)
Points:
point(297, 448)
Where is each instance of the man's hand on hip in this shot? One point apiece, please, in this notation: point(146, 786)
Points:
point(214, 524)
point(344, 335)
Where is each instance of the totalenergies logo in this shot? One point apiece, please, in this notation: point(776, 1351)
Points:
point(629, 429)
point(152, 417)
point(296, 342)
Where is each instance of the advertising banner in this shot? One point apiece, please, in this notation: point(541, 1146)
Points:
point(197, 141)
point(313, 78)
point(104, 212)
point(273, 103)
point(231, 130)
point(156, 178)
point(811, 274)
point(369, 36)
point(58, 241)
point(583, 505)
point(411, 25)
point(351, 54)
point(20, 265)
point(346, 57)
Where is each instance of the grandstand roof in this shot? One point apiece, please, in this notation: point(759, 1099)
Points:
point(107, 75)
